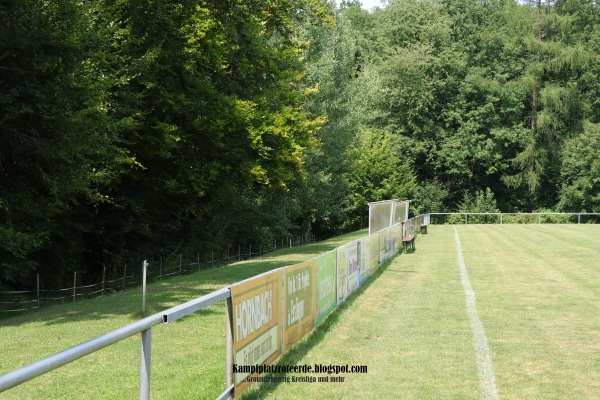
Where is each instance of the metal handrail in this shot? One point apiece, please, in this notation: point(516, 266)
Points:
point(143, 326)
point(37, 368)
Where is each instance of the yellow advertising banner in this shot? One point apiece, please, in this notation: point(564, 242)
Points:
point(256, 324)
point(299, 301)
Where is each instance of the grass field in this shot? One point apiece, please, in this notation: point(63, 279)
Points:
point(537, 290)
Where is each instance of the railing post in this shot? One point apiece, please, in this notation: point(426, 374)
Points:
point(103, 280)
point(160, 269)
point(578, 218)
point(145, 356)
point(144, 267)
point(228, 343)
point(500, 218)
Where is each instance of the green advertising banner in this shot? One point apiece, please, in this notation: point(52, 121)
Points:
point(374, 239)
point(325, 286)
point(299, 296)
point(342, 273)
point(364, 257)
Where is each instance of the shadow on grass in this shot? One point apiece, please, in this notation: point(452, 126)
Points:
point(120, 304)
point(299, 350)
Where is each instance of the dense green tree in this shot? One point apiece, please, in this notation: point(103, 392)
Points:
point(580, 173)
point(377, 173)
point(56, 141)
point(128, 127)
point(553, 65)
point(485, 93)
point(480, 202)
point(215, 92)
point(332, 69)
point(429, 198)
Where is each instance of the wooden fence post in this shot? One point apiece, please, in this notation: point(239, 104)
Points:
point(103, 280)
point(74, 285)
point(38, 290)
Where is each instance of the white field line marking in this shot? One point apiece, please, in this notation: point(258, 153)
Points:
point(487, 379)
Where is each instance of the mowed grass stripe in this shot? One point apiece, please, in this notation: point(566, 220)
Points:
point(571, 255)
point(540, 307)
point(407, 324)
point(571, 249)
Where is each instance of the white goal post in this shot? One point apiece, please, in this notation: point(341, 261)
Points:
point(383, 214)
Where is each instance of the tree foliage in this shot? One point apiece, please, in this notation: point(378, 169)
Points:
point(580, 172)
point(485, 94)
point(130, 128)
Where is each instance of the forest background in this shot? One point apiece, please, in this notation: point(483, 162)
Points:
point(131, 128)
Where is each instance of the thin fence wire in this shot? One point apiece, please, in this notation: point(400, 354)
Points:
point(14, 300)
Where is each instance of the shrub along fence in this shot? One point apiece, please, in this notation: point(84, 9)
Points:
point(266, 314)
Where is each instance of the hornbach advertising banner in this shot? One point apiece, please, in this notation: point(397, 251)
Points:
point(326, 285)
point(256, 323)
point(299, 300)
